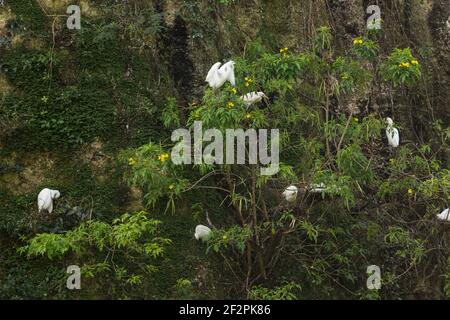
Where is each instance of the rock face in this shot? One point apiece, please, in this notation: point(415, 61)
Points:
point(219, 31)
point(122, 71)
point(187, 37)
point(192, 35)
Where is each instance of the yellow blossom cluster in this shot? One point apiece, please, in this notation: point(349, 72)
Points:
point(358, 42)
point(407, 64)
point(284, 50)
point(163, 157)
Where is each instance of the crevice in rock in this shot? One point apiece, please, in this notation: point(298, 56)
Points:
point(174, 50)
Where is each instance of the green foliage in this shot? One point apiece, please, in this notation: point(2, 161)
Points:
point(323, 39)
point(111, 80)
point(14, 220)
point(350, 75)
point(410, 248)
point(125, 232)
point(170, 115)
point(235, 236)
point(285, 292)
point(364, 48)
point(29, 14)
point(353, 163)
point(133, 237)
point(402, 68)
point(343, 225)
point(151, 169)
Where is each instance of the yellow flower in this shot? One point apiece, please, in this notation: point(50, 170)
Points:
point(248, 81)
point(410, 191)
point(163, 157)
point(224, 237)
point(414, 62)
point(357, 41)
point(233, 90)
point(171, 187)
point(356, 119)
point(131, 161)
point(284, 50)
point(405, 65)
point(230, 104)
point(248, 115)
point(392, 161)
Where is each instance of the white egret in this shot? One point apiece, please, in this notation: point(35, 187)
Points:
point(290, 194)
point(392, 134)
point(218, 75)
point(253, 97)
point(444, 215)
point(202, 232)
point(45, 199)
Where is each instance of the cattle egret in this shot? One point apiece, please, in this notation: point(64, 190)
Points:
point(202, 232)
point(219, 74)
point(253, 97)
point(444, 215)
point(290, 194)
point(392, 134)
point(45, 199)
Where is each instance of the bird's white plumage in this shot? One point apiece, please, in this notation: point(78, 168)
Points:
point(290, 194)
point(392, 134)
point(45, 199)
point(213, 71)
point(253, 97)
point(202, 232)
point(219, 74)
point(444, 215)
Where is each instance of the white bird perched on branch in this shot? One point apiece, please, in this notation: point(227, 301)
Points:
point(253, 97)
point(45, 199)
point(218, 75)
point(290, 194)
point(202, 232)
point(444, 215)
point(392, 134)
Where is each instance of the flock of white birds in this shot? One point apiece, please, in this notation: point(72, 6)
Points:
point(217, 76)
